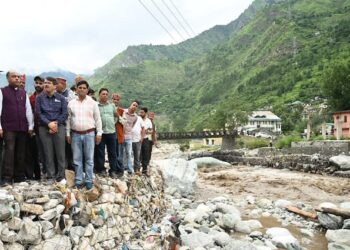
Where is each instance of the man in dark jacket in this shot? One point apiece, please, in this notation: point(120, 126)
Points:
point(16, 122)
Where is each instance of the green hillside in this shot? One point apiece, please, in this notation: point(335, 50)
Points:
point(277, 57)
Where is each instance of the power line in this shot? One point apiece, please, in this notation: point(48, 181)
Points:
point(155, 18)
point(173, 14)
point(168, 20)
point(177, 10)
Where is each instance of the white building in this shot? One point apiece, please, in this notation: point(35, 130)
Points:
point(264, 120)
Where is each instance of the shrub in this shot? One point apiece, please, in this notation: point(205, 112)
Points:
point(257, 143)
point(286, 141)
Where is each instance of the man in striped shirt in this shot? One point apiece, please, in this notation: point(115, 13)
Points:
point(83, 120)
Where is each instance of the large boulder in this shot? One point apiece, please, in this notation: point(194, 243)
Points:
point(179, 174)
point(210, 162)
point(197, 239)
point(341, 236)
point(330, 221)
point(341, 161)
point(282, 238)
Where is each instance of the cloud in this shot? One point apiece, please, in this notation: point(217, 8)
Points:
point(80, 36)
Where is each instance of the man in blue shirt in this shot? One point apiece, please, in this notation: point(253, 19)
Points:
point(51, 108)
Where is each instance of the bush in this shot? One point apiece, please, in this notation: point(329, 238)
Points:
point(257, 143)
point(185, 146)
point(286, 141)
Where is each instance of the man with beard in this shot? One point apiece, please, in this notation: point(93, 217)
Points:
point(35, 150)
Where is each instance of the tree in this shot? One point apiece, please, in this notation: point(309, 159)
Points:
point(229, 115)
point(336, 85)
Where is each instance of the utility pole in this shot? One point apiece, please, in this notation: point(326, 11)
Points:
point(308, 110)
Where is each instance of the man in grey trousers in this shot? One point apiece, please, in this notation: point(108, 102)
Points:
point(51, 108)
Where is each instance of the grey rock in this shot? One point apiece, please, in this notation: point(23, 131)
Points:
point(49, 214)
point(306, 232)
point(341, 236)
point(14, 246)
point(210, 162)
point(30, 232)
point(109, 244)
point(281, 237)
point(5, 212)
point(346, 224)
point(49, 234)
point(345, 205)
point(221, 238)
point(51, 204)
point(14, 224)
point(8, 235)
point(330, 221)
point(341, 161)
point(336, 246)
point(76, 233)
point(240, 245)
point(264, 203)
point(227, 209)
point(197, 239)
point(229, 221)
point(179, 173)
point(56, 195)
point(58, 242)
point(46, 225)
point(256, 234)
point(242, 227)
point(282, 203)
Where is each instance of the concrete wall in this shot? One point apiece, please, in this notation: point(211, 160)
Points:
point(327, 148)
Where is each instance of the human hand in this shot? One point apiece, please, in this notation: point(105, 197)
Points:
point(98, 139)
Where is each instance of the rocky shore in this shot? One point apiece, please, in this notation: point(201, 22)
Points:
point(165, 212)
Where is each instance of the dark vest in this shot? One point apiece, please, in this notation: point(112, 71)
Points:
point(13, 116)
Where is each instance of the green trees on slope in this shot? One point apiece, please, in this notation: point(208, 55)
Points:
point(336, 85)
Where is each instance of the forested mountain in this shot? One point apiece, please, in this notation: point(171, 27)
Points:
point(275, 53)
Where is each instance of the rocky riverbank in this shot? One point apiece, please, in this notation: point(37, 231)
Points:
point(186, 204)
point(216, 215)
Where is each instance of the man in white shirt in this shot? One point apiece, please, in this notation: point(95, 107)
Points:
point(148, 141)
point(131, 135)
point(83, 120)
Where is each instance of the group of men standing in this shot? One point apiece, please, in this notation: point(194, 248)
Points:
point(55, 129)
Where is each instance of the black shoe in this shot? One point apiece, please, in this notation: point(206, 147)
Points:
point(5, 182)
point(19, 179)
point(113, 175)
point(79, 186)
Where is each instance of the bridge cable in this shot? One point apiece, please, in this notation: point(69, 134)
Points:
point(166, 18)
point(155, 18)
point(178, 11)
point(177, 19)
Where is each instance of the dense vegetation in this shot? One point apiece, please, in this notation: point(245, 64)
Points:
point(274, 54)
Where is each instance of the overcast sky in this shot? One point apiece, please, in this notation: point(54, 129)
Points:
point(81, 35)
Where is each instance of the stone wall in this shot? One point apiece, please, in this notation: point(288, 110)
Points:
point(114, 214)
point(326, 148)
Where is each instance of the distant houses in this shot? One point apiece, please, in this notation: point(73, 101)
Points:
point(341, 124)
point(263, 121)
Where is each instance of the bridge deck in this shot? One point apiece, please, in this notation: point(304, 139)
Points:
point(195, 135)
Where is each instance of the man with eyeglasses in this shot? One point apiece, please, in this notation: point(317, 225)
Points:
point(16, 123)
